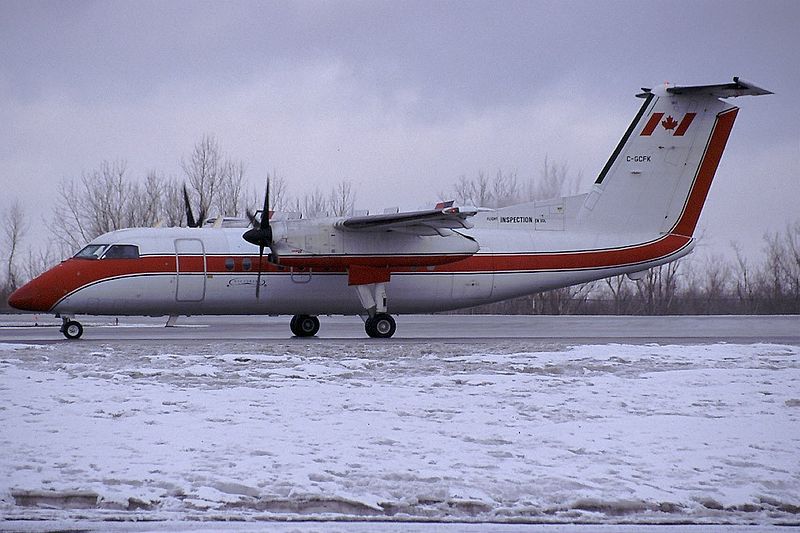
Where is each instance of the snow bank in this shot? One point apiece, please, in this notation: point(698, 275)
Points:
point(510, 431)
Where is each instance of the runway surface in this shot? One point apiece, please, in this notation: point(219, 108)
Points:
point(414, 328)
point(458, 423)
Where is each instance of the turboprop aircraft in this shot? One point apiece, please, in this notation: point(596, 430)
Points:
point(641, 213)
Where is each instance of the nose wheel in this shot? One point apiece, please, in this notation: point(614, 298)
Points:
point(72, 329)
point(380, 326)
point(304, 325)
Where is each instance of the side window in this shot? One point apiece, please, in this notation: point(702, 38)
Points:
point(122, 251)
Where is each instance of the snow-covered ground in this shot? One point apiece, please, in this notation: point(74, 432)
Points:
point(500, 431)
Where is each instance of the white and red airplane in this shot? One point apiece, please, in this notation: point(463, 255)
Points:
point(641, 212)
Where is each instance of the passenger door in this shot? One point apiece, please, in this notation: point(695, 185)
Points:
point(190, 261)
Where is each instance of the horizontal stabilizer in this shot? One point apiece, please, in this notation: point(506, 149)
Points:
point(739, 87)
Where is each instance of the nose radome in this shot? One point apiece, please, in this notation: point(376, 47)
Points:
point(39, 294)
point(24, 299)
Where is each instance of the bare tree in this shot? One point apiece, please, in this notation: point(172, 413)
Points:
point(780, 276)
point(229, 200)
point(92, 204)
point(658, 288)
point(313, 204)
point(554, 181)
point(170, 192)
point(484, 191)
point(342, 199)
point(716, 273)
point(107, 199)
point(15, 226)
point(216, 180)
point(564, 300)
point(41, 259)
point(745, 285)
point(203, 171)
point(621, 293)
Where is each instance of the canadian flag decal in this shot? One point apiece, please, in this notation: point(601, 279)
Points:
point(669, 124)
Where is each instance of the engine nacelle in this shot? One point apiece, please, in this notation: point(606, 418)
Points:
point(320, 244)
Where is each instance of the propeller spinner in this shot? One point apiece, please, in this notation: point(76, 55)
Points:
point(260, 234)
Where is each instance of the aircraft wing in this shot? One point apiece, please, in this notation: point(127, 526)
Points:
point(428, 222)
point(739, 87)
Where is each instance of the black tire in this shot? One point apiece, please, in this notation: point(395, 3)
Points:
point(381, 326)
point(72, 329)
point(304, 325)
point(369, 327)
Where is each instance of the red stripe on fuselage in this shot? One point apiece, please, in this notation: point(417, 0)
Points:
point(44, 292)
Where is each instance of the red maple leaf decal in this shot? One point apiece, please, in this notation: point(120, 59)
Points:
point(669, 123)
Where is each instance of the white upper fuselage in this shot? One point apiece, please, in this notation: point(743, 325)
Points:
point(214, 271)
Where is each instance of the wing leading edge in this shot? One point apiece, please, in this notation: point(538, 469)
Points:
point(428, 222)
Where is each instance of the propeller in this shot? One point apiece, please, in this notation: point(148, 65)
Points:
point(260, 234)
point(190, 221)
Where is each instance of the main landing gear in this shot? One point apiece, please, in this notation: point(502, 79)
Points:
point(304, 325)
point(380, 326)
point(72, 329)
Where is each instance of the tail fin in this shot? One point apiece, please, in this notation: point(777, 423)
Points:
point(659, 175)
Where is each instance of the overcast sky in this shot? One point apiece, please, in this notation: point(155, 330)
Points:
point(402, 98)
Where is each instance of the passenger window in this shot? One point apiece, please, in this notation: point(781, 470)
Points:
point(229, 264)
point(246, 264)
point(122, 251)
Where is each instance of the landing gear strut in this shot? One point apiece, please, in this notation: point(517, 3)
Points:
point(72, 329)
point(304, 325)
point(380, 326)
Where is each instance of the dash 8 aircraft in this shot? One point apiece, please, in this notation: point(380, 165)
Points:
point(641, 213)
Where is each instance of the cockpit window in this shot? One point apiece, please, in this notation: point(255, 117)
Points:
point(92, 251)
point(122, 251)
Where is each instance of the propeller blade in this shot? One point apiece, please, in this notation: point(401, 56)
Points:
point(258, 278)
point(260, 235)
point(252, 217)
point(265, 211)
point(190, 221)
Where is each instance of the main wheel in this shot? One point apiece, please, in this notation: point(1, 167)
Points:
point(380, 326)
point(72, 329)
point(304, 325)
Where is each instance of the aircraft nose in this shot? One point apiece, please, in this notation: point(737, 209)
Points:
point(23, 298)
point(36, 295)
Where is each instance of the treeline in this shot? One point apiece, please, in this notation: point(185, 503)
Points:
point(108, 198)
point(712, 285)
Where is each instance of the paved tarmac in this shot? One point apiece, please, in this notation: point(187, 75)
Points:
point(24, 328)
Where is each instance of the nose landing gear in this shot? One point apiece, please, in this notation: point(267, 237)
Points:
point(304, 325)
point(72, 329)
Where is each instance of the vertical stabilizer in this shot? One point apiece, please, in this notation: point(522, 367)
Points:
point(659, 175)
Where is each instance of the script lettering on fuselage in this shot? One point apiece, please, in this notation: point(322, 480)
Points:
point(245, 281)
